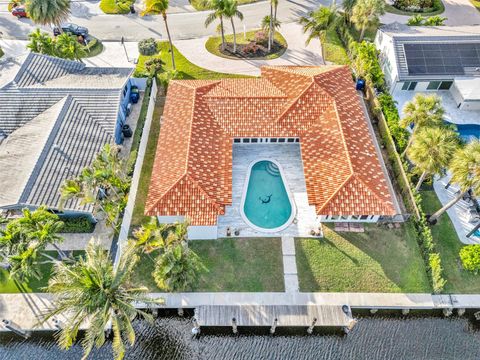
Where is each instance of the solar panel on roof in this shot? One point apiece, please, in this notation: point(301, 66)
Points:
point(441, 59)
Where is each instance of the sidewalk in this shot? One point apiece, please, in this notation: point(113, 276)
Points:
point(296, 54)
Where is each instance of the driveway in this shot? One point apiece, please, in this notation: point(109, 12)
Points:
point(296, 54)
point(133, 27)
point(457, 12)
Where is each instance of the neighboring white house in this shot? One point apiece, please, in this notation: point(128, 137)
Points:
point(432, 58)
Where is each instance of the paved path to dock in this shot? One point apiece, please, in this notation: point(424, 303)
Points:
point(289, 264)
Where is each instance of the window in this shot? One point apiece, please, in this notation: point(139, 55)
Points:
point(254, 140)
point(246, 140)
point(363, 217)
point(273, 140)
point(297, 140)
point(281, 140)
point(409, 85)
point(433, 85)
point(445, 85)
point(291, 140)
point(236, 140)
point(354, 217)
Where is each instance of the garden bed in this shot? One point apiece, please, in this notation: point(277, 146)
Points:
point(378, 260)
point(236, 265)
point(77, 224)
point(436, 9)
point(248, 47)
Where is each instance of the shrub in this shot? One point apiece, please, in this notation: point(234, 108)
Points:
point(470, 256)
point(251, 48)
point(367, 65)
point(436, 269)
point(147, 47)
point(390, 111)
point(154, 66)
point(77, 224)
point(261, 38)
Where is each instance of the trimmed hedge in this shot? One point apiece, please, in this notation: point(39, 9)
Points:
point(147, 47)
point(390, 111)
point(77, 224)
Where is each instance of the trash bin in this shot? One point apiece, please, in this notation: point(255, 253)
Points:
point(360, 84)
point(134, 94)
point(132, 9)
point(127, 131)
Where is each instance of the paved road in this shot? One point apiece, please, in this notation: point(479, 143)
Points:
point(183, 25)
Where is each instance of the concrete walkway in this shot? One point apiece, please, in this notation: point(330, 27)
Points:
point(289, 264)
point(296, 54)
point(457, 12)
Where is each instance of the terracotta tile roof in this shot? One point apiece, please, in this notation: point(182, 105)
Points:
point(192, 173)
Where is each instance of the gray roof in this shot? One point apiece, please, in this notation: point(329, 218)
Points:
point(402, 35)
point(41, 152)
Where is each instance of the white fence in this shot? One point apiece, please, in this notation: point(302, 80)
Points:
point(127, 216)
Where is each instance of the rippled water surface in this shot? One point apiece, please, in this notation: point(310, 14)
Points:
point(373, 338)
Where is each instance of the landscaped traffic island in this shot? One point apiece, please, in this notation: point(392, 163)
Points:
point(251, 45)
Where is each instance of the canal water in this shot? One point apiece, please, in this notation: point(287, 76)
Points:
point(378, 337)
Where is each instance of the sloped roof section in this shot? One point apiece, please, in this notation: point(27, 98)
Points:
point(63, 113)
point(192, 174)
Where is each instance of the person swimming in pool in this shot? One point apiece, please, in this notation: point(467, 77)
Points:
point(265, 200)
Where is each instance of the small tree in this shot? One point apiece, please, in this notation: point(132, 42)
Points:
point(317, 23)
point(422, 111)
point(431, 151)
point(231, 11)
point(470, 256)
point(367, 13)
point(41, 42)
point(265, 25)
point(68, 47)
point(218, 12)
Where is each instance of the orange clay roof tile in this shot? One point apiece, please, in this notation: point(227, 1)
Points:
point(192, 172)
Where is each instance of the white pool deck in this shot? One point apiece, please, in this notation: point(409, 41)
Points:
point(290, 159)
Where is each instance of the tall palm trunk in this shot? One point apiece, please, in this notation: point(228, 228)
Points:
point(421, 180)
point(223, 32)
point(410, 140)
point(234, 36)
point(164, 14)
point(447, 206)
point(274, 21)
point(270, 28)
point(321, 39)
point(362, 33)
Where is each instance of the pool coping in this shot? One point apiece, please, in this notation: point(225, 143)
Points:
point(287, 189)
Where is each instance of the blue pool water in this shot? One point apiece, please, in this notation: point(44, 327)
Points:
point(468, 132)
point(266, 204)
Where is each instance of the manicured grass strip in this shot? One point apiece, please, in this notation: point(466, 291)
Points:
point(94, 50)
point(379, 260)
point(11, 286)
point(185, 69)
point(213, 44)
point(448, 245)
point(234, 265)
point(200, 4)
point(334, 49)
point(438, 5)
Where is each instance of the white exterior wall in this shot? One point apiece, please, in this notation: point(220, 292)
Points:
point(202, 232)
point(141, 83)
point(470, 105)
point(370, 219)
point(384, 44)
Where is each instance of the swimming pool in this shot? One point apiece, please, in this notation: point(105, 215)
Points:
point(468, 132)
point(266, 203)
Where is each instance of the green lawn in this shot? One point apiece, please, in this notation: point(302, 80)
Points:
point(9, 286)
point(448, 245)
point(439, 8)
point(370, 33)
point(213, 44)
point(116, 7)
point(379, 260)
point(334, 49)
point(185, 69)
point(237, 265)
point(200, 4)
point(94, 50)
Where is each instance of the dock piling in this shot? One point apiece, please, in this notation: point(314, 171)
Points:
point(405, 311)
point(447, 312)
point(10, 325)
point(180, 312)
point(310, 328)
point(373, 311)
point(274, 325)
point(234, 326)
point(196, 327)
point(57, 323)
point(461, 312)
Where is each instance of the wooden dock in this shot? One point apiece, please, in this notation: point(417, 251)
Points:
point(265, 315)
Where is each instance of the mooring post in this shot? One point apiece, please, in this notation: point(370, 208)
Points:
point(10, 325)
point(274, 326)
point(447, 312)
point(180, 312)
point(373, 311)
point(405, 311)
point(155, 312)
point(310, 328)
point(477, 315)
point(57, 323)
point(196, 327)
point(461, 312)
point(234, 326)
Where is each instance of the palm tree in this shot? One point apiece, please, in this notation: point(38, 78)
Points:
point(48, 12)
point(274, 21)
point(218, 7)
point(465, 169)
point(367, 13)
point(316, 24)
point(231, 11)
point(91, 291)
point(40, 42)
point(265, 25)
point(432, 150)
point(348, 6)
point(161, 7)
point(422, 111)
point(68, 47)
point(436, 20)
